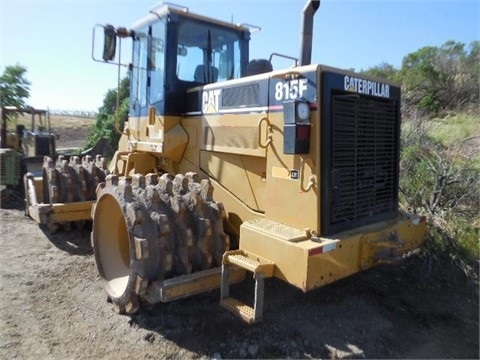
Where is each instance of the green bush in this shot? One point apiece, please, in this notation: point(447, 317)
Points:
point(436, 80)
point(444, 184)
point(104, 126)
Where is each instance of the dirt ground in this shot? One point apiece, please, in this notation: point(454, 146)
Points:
point(52, 306)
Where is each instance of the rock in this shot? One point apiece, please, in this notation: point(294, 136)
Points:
point(216, 356)
point(354, 352)
point(149, 337)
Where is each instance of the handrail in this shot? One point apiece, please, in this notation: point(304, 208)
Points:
point(311, 183)
point(312, 179)
point(269, 136)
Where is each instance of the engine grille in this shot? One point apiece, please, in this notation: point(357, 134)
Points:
point(245, 95)
point(364, 155)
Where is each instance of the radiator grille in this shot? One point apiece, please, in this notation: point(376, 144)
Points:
point(9, 167)
point(245, 95)
point(364, 154)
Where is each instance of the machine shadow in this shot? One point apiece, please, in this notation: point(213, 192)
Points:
point(200, 325)
point(72, 238)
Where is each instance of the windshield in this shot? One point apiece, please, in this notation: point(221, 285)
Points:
point(207, 53)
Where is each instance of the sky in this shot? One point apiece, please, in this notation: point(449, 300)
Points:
point(53, 38)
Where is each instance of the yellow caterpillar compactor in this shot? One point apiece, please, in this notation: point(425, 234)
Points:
point(303, 161)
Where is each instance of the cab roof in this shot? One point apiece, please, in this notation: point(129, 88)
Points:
point(165, 9)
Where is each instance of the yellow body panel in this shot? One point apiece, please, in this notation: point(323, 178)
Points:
point(45, 213)
point(233, 134)
point(229, 168)
point(309, 264)
point(13, 142)
point(287, 200)
point(163, 137)
point(61, 212)
point(238, 179)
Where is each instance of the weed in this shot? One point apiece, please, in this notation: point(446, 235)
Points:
point(440, 178)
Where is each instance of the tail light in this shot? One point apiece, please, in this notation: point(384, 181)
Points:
point(296, 127)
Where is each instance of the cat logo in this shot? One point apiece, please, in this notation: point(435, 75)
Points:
point(367, 87)
point(211, 101)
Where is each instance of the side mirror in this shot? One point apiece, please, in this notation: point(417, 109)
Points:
point(109, 43)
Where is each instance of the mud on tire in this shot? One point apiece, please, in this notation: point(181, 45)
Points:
point(72, 180)
point(150, 228)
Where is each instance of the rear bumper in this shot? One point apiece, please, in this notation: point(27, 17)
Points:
point(309, 263)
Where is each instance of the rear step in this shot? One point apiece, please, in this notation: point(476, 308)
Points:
point(187, 285)
point(261, 269)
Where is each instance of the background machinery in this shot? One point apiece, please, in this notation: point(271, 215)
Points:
point(22, 148)
point(58, 189)
point(303, 161)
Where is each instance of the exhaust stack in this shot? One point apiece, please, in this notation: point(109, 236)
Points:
point(307, 29)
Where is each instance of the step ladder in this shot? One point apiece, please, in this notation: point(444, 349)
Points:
point(261, 269)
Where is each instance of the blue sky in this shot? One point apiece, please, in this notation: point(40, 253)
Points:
point(52, 38)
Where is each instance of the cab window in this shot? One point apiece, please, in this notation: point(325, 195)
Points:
point(157, 62)
point(206, 53)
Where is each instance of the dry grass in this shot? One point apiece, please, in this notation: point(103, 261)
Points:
point(59, 121)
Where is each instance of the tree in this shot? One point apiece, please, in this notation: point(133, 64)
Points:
point(469, 79)
point(14, 87)
point(436, 79)
point(383, 71)
point(107, 116)
point(420, 79)
point(110, 101)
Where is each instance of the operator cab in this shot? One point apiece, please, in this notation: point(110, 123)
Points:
point(174, 50)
